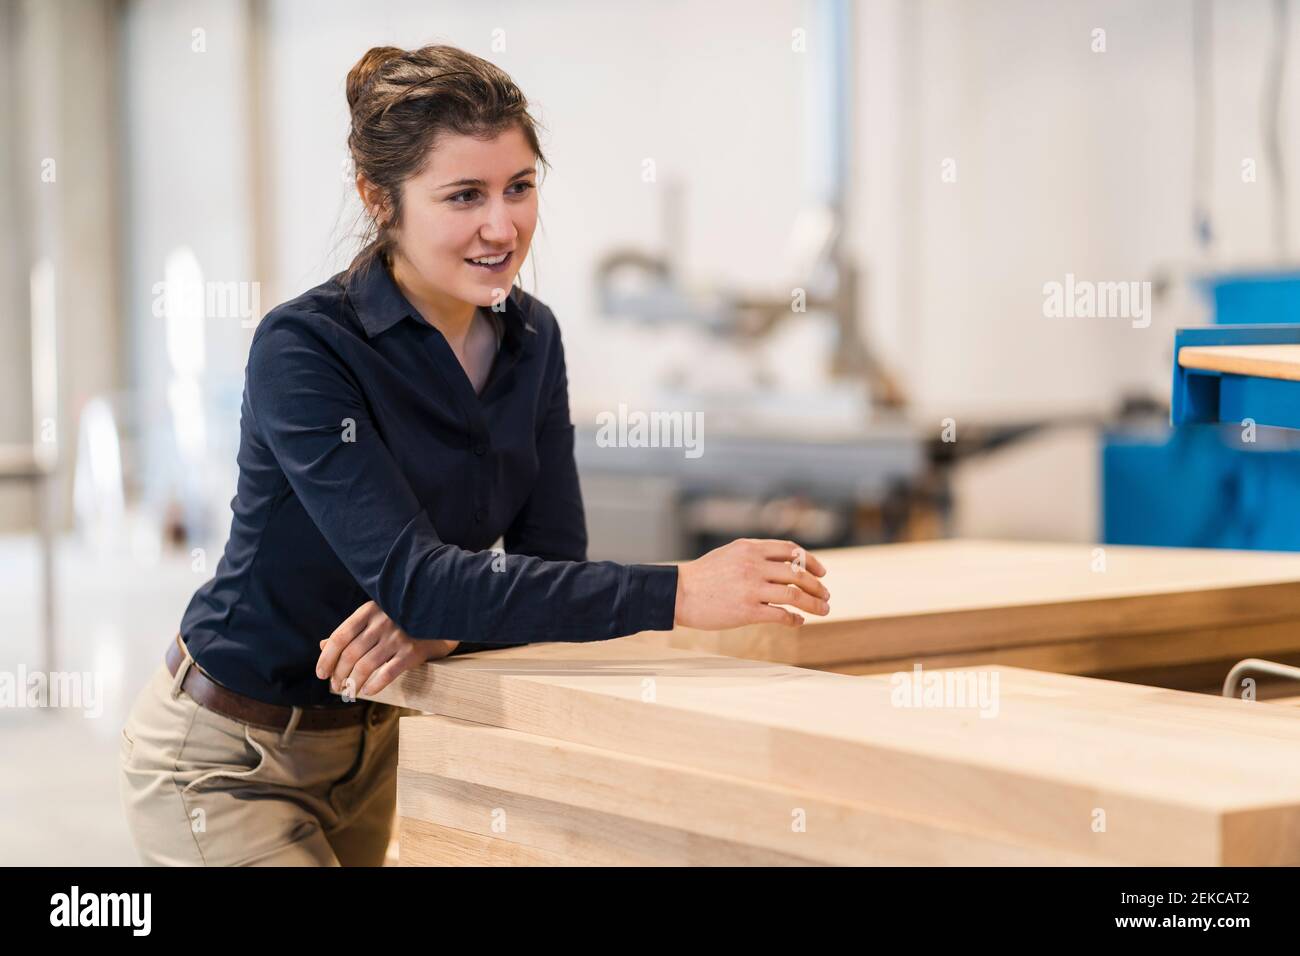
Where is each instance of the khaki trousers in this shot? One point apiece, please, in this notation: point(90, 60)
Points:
point(201, 789)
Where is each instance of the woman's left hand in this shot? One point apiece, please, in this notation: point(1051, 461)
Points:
point(368, 650)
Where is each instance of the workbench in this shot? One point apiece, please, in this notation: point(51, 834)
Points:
point(1169, 616)
point(1237, 374)
point(745, 747)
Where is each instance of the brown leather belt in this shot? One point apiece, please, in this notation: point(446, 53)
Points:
point(226, 702)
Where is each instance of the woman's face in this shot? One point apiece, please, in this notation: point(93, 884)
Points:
point(475, 198)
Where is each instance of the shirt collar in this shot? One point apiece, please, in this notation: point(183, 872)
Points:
point(380, 305)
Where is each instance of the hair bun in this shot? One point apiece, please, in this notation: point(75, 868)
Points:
point(364, 70)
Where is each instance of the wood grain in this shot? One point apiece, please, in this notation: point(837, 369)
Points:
point(925, 599)
point(1115, 652)
point(1181, 777)
point(605, 839)
point(428, 844)
point(589, 787)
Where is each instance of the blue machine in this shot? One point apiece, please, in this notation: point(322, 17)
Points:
point(1198, 484)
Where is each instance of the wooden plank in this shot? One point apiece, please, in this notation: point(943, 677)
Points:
point(1179, 776)
point(1261, 361)
point(585, 784)
point(1220, 647)
point(428, 844)
point(949, 597)
point(605, 839)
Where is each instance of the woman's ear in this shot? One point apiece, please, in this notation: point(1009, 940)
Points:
point(372, 197)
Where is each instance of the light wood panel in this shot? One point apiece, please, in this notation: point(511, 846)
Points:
point(1180, 777)
point(1115, 653)
point(925, 599)
point(587, 786)
point(1262, 361)
point(605, 839)
point(428, 844)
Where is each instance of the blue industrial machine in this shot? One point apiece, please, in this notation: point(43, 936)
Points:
point(1202, 483)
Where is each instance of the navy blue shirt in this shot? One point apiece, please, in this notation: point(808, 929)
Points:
point(370, 469)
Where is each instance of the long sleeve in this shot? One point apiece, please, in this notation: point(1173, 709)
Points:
point(310, 411)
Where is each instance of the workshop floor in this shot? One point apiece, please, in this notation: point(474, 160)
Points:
point(58, 789)
point(58, 767)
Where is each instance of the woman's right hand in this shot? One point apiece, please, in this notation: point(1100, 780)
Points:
point(742, 582)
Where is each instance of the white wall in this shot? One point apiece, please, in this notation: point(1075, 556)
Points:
point(711, 92)
point(1068, 161)
point(58, 205)
point(187, 185)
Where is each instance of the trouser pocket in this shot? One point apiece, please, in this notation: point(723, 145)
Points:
point(241, 768)
point(217, 749)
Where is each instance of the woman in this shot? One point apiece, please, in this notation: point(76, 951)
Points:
point(396, 421)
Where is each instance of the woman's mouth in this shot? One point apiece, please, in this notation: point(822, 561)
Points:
point(495, 263)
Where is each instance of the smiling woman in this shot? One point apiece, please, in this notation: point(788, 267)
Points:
point(397, 420)
point(446, 156)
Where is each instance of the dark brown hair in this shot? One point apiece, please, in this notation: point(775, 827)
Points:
point(401, 100)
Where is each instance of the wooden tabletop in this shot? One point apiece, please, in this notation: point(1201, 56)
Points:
point(1262, 361)
point(951, 597)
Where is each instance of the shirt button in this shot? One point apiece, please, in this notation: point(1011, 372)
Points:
point(480, 449)
point(480, 514)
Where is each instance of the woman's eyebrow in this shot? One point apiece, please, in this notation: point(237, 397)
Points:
point(479, 182)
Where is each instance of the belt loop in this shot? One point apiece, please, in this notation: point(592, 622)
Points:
point(292, 726)
point(179, 677)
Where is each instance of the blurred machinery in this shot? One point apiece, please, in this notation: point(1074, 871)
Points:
point(833, 460)
point(837, 461)
point(829, 462)
point(1203, 486)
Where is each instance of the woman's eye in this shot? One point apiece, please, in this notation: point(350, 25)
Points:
point(469, 195)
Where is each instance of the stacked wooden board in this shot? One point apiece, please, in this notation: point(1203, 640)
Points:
point(1172, 616)
point(618, 753)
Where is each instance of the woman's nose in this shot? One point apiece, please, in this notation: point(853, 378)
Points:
point(499, 226)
